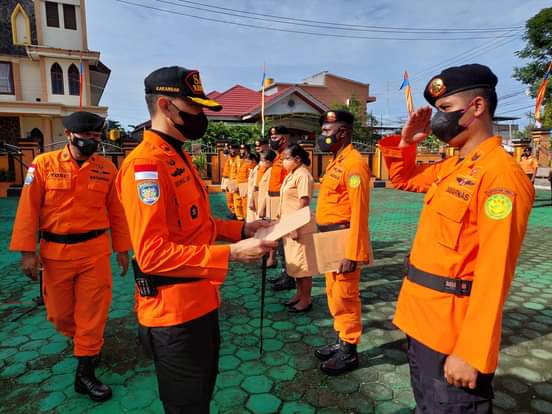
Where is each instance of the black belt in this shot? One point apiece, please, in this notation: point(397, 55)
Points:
point(72, 238)
point(274, 193)
point(148, 283)
point(443, 284)
point(332, 227)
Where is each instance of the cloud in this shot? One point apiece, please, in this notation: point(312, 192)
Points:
point(135, 41)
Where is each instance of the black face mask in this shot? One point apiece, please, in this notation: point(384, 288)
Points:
point(86, 147)
point(326, 142)
point(275, 145)
point(225, 151)
point(445, 125)
point(194, 126)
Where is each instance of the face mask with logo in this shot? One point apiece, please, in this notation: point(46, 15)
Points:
point(445, 125)
point(86, 147)
point(326, 142)
point(194, 126)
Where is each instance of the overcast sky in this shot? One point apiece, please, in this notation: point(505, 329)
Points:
point(133, 41)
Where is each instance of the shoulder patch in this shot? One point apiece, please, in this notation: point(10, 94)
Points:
point(30, 174)
point(145, 172)
point(354, 181)
point(498, 206)
point(148, 192)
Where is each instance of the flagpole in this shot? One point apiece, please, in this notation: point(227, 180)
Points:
point(263, 102)
point(81, 82)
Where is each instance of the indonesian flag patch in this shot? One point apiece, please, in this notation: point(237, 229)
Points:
point(145, 172)
point(30, 175)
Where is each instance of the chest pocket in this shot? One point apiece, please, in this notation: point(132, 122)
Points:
point(191, 211)
point(98, 192)
point(451, 214)
point(56, 190)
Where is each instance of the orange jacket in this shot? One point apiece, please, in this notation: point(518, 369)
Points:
point(277, 174)
point(245, 168)
point(471, 227)
point(173, 232)
point(235, 167)
point(227, 167)
point(59, 197)
point(529, 165)
point(344, 198)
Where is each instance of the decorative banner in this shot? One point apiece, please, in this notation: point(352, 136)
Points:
point(540, 96)
point(407, 93)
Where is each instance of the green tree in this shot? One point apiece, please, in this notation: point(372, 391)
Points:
point(363, 128)
point(538, 51)
point(241, 133)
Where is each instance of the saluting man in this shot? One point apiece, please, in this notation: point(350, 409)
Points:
point(179, 266)
point(468, 240)
point(69, 198)
point(343, 202)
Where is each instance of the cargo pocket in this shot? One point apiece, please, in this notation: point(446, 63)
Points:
point(453, 400)
point(56, 191)
point(451, 213)
point(98, 193)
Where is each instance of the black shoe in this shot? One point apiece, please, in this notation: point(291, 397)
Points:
point(96, 360)
point(286, 283)
point(328, 351)
point(306, 309)
point(344, 360)
point(290, 303)
point(87, 383)
point(277, 279)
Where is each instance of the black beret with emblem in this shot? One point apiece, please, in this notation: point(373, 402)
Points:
point(339, 115)
point(245, 147)
point(179, 82)
point(84, 122)
point(458, 79)
point(260, 142)
point(279, 130)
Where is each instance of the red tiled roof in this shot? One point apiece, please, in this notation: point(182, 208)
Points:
point(236, 101)
point(213, 95)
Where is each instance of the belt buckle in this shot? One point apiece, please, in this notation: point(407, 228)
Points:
point(459, 287)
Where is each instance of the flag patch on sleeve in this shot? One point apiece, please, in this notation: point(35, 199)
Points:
point(145, 172)
point(30, 175)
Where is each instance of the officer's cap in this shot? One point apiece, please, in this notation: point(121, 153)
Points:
point(458, 79)
point(279, 130)
point(179, 82)
point(235, 146)
point(84, 122)
point(337, 116)
point(260, 142)
point(244, 146)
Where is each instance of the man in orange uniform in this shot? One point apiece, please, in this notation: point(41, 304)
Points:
point(528, 164)
point(279, 139)
point(69, 196)
point(343, 202)
point(468, 240)
point(178, 266)
point(240, 197)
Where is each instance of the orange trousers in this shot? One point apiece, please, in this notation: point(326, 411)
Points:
point(343, 295)
point(77, 295)
point(230, 202)
point(240, 204)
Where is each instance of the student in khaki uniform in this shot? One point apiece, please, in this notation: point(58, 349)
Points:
point(231, 183)
point(528, 164)
point(263, 206)
point(343, 202)
point(251, 193)
point(296, 193)
point(469, 237)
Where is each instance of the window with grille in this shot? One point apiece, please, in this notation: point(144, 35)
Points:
point(69, 17)
point(74, 80)
point(57, 79)
point(52, 14)
point(6, 79)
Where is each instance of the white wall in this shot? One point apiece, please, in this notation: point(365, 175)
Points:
point(60, 37)
point(30, 81)
point(281, 107)
point(65, 99)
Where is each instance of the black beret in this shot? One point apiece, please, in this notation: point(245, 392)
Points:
point(279, 130)
point(179, 82)
point(261, 142)
point(245, 146)
point(84, 122)
point(235, 146)
point(339, 115)
point(458, 79)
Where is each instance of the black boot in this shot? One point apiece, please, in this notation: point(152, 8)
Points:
point(87, 383)
point(345, 359)
point(328, 351)
point(286, 283)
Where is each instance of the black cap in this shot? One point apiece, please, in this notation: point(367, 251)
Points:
point(278, 130)
point(245, 147)
point(179, 82)
point(84, 122)
point(339, 115)
point(235, 146)
point(260, 142)
point(458, 79)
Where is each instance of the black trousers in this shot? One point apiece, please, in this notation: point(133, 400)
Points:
point(186, 362)
point(432, 392)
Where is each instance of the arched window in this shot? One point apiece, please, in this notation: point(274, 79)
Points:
point(21, 26)
point(74, 80)
point(57, 79)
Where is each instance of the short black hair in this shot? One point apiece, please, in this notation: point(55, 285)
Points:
point(151, 102)
point(486, 93)
point(297, 150)
point(253, 157)
point(269, 155)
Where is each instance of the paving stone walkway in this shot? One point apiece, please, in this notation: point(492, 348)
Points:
point(36, 367)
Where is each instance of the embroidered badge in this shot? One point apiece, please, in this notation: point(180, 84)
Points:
point(145, 172)
point(498, 206)
point(194, 211)
point(437, 87)
point(148, 192)
point(30, 175)
point(354, 181)
point(177, 172)
point(464, 181)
